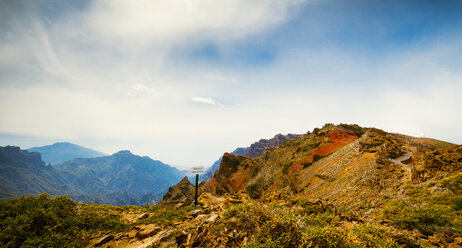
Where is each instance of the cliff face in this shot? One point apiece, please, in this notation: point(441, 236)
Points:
point(23, 172)
point(14, 156)
point(229, 177)
point(254, 150)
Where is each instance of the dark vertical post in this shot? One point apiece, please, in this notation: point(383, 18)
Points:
point(195, 198)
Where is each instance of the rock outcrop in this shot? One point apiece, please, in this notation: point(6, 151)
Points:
point(253, 151)
point(257, 148)
point(181, 193)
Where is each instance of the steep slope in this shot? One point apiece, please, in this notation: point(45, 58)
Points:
point(63, 151)
point(254, 150)
point(22, 172)
point(336, 163)
point(121, 172)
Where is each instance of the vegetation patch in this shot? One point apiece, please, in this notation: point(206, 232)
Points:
point(427, 219)
point(50, 222)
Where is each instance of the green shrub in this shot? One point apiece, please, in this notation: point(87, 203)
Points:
point(320, 219)
point(426, 219)
point(280, 228)
point(277, 233)
point(457, 203)
point(328, 236)
point(372, 236)
point(453, 183)
point(167, 215)
point(49, 222)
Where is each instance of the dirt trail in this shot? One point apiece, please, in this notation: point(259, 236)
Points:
point(407, 154)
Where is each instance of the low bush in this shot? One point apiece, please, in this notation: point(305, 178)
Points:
point(373, 236)
point(49, 222)
point(327, 236)
point(426, 219)
point(167, 215)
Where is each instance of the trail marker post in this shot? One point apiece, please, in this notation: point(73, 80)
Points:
point(197, 171)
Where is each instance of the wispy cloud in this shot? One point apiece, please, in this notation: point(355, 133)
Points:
point(166, 22)
point(206, 100)
point(142, 87)
point(92, 71)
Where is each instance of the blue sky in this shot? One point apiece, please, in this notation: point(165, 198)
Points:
point(185, 81)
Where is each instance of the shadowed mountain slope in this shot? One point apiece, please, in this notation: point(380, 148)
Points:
point(22, 172)
point(119, 179)
point(121, 172)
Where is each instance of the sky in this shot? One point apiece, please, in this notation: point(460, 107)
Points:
point(185, 81)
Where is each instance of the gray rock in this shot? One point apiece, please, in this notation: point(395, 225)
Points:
point(195, 213)
point(144, 216)
point(104, 240)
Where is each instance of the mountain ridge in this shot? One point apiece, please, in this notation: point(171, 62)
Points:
point(327, 158)
point(120, 179)
point(254, 150)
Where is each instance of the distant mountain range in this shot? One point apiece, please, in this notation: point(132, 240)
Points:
point(87, 175)
point(120, 179)
point(139, 177)
point(64, 151)
point(253, 151)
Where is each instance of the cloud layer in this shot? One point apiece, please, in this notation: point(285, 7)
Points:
point(143, 75)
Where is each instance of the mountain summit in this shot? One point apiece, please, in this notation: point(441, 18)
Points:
point(63, 151)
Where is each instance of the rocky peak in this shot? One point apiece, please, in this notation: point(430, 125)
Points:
point(182, 193)
point(253, 151)
point(228, 166)
point(257, 148)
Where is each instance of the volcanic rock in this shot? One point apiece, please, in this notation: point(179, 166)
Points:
point(181, 193)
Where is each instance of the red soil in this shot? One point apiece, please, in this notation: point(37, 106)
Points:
point(337, 138)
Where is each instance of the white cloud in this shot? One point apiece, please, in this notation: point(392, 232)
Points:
point(206, 100)
point(142, 87)
point(105, 77)
point(166, 21)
